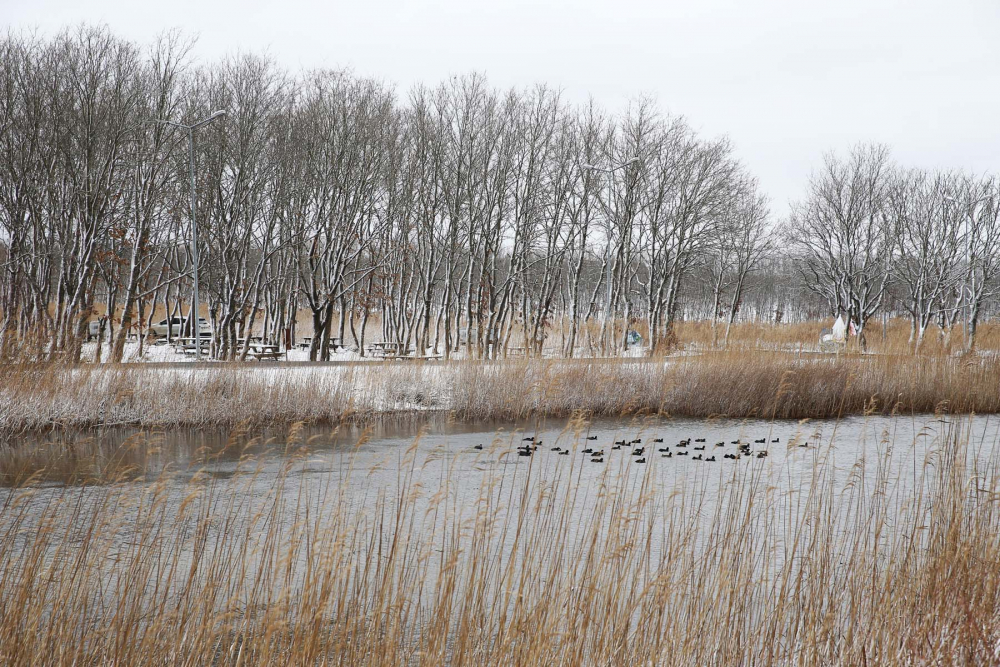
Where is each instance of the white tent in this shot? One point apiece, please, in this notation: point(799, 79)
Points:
point(839, 329)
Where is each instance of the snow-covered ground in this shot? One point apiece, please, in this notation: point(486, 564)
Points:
point(163, 353)
point(159, 353)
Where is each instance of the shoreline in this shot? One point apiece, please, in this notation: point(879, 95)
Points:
point(37, 398)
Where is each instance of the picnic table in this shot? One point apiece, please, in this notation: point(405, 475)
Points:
point(187, 344)
point(260, 351)
point(387, 350)
point(306, 343)
point(517, 351)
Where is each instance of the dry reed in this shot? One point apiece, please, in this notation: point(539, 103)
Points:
point(732, 383)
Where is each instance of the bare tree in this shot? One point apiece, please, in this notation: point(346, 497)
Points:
point(843, 235)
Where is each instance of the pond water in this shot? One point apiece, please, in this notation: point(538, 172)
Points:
point(387, 460)
point(289, 498)
point(367, 456)
point(457, 476)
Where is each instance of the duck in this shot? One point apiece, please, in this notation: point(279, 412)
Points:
point(642, 460)
point(588, 450)
point(564, 452)
point(760, 442)
point(682, 443)
point(638, 451)
point(775, 440)
point(710, 458)
point(617, 447)
point(804, 444)
point(522, 452)
point(682, 453)
point(685, 442)
point(735, 442)
point(720, 444)
point(696, 458)
point(600, 453)
point(597, 460)
point(663, 449)
point(657, 439)
point(478, 447)
point(591, 437)
point(620, 442)
point(700, 449)
point(556, 449)
point(699, 439)
point(530, 438)
point(667, 455)
point(636, 441)
point(762, 455)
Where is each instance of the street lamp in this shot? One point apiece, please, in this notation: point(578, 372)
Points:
point(607, 265)
point(196, 328)
point(970, 282)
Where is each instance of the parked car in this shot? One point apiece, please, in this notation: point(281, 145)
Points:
point(177, 327)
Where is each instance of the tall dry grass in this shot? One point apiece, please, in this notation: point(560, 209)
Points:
point(731, 383)
point(269, 567)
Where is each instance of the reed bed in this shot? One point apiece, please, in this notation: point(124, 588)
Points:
point(892, 337)
point(509, 566)
point(731, 383)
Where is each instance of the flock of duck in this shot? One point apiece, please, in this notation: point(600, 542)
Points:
point(530, 445)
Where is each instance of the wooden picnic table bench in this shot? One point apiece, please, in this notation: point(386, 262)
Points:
point(187, 344)
point(261, 351)
point(266, 354)
point(387, 350)
point(306, 343)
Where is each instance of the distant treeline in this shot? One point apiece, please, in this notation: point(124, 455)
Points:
point(450, 214)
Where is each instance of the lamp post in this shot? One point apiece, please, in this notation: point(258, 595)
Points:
point(970, 281)
point(607, 264)
point(196, 328)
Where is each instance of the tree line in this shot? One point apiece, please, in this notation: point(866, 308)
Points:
point(446, 216)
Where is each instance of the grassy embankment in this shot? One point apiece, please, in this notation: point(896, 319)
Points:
point(735, 383)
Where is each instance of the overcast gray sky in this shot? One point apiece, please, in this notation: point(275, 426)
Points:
point(787, 80)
